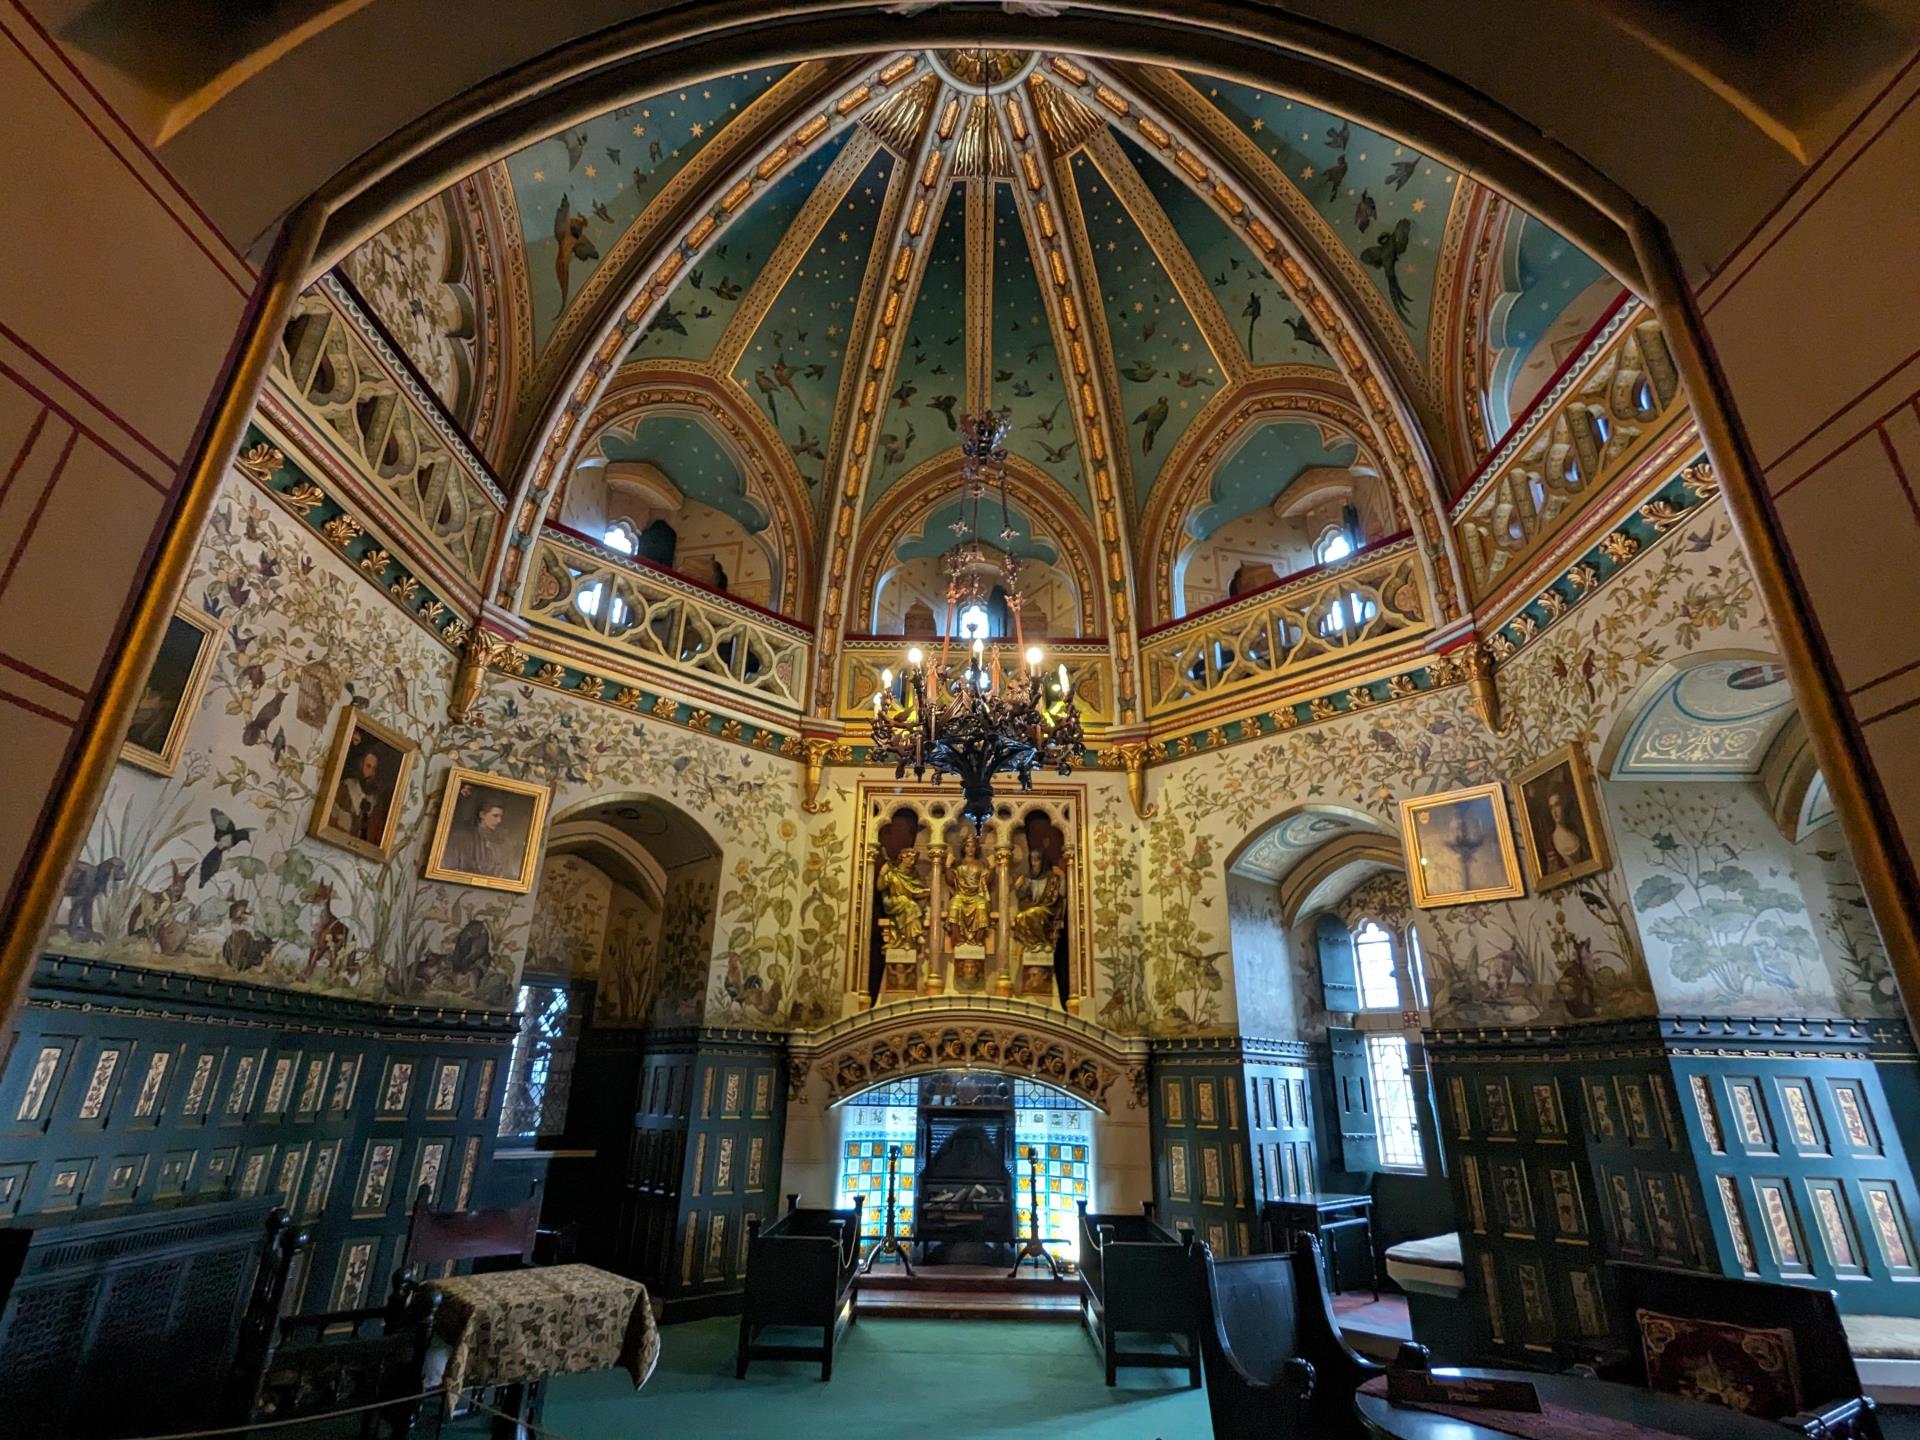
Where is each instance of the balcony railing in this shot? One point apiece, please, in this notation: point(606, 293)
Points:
point(1613, 405)
point(1089, 667)
point(1325, 615)
point(639, 612)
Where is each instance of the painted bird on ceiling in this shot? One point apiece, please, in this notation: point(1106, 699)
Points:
point(1338, 135)
point(1364, 212)
point(1140, 372)
point(1057, 454)
point(1303, 332)
point(1153, 417)
point(944, 404)
point(1335, 176)
point(1384, 254)
point(570, 244)
point(783, 377)
point(576, 143)
point(1190, 378)
point(1401, 173)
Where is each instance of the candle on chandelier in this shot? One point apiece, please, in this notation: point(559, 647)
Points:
point(1034, 658)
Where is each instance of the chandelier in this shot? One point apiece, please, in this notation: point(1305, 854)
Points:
point(981, 720)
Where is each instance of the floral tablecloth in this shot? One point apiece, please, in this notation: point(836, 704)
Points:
point(519, 1325)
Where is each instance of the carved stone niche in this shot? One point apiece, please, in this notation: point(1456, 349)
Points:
point(929, 922)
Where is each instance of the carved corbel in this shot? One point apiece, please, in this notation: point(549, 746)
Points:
point(1485, 688)
point(819, 749)
point(1134, 757)
point(476, 658)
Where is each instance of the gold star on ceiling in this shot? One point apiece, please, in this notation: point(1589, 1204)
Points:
point(591, 172)
point(539, 175)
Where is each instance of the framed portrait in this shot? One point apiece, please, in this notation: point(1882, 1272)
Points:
point(489, 831)
point(167, 703)
point(1560, 815)
point(1460, 847)
point(363, 787)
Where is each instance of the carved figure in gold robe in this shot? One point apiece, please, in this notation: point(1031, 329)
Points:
point(1040, 905)
point(903, 898)
point(970, 911)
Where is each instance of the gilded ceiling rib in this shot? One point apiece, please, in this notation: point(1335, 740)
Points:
point(1400, 436)
point(909, 240)
point(898, 119)
point(1191, 286)
point(792, 248)
point(724, 198)
point(1056, 235)
point(980, 242)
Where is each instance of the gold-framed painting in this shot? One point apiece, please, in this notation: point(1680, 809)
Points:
point(171, 695)
point(1460, 847)
point(364, 786)
point(1559, 806)
point(489, 831)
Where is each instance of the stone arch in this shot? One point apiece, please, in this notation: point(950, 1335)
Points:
point(1618, 731)
point(1007, 1036)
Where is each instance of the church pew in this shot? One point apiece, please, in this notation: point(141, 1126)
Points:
point(802, 1272)
point(1134, 1279)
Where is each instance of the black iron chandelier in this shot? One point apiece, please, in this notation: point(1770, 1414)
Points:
point(982, 720)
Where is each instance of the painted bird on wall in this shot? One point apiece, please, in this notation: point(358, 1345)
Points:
point(571, 243)
point(1153, 417)
point(226, 835)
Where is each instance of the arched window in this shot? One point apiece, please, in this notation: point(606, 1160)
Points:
point(974, 622)
point(1373, 964)
point(623, 537)
point(1387, 977)
point(1334, 544)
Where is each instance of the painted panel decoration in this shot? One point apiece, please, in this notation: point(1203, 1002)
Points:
point(1459, 847)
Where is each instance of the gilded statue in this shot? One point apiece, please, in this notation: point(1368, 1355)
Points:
point(1040, 905)
point(970, 911)
point(903, 897)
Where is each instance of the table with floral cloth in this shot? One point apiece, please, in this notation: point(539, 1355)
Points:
point(518, 1326)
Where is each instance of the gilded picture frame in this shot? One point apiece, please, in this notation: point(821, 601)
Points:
point(501, 854)
point(170, 697)
point(1560, 818)
point(363, 790)
point(1459, 847)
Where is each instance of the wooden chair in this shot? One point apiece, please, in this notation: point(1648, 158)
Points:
point(1772, 1350)
point(445, 1237)
point(802, 1270)
point(333, 1359)
point(1275, 1360)
point(1134, 1279)
point(292, 1366)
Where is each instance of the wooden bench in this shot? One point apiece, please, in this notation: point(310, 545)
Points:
point(803, 1272)
point(1135, 1279)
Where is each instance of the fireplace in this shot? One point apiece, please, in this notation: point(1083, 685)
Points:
point(964, 1192)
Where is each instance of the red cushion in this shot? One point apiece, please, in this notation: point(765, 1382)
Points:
point(1745, 1368)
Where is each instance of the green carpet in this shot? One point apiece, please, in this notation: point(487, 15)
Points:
point(932, 1378)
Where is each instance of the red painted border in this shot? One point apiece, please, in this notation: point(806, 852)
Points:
point(39, 509)
point(95, 401)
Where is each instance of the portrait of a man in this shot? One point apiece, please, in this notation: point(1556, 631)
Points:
point(1460, 847)
point(489, 831)
point(170, 697)
point(364, 787)
point(1560, 812)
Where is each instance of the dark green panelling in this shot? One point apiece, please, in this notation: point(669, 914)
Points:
point(1573, 1146)
point(690, 1162)
point(251, 1076)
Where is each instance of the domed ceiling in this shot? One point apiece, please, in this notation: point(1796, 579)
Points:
point(1213, 315)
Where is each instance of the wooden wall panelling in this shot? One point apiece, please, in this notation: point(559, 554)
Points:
point(736, 1129)
point(1203, 1174)
point(1800, 1154)
point(124, 1087)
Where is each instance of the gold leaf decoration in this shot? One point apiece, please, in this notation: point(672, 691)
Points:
point(664, 707)
point(1360, 697)
point(763, 740)
point(591, 686)
point(1554, 603)
point(698, 719)
point(793, 746)
point(375, 561)
point(1619, 547)
point(303, 495)
point(405, 588)
point(629, 695)
point(730, 730)
point(1216, 737)
point(1400, 687)
point(550, 674)
point(1322, 708)
point(343, 530)
point(1285, 718)
point(1583, 577)
point(1662, 515)
point(260, 461)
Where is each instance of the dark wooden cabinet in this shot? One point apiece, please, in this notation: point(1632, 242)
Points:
point(119, 1324)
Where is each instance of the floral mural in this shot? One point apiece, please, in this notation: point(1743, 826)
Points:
point(211, 870)
point(1724, 908)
